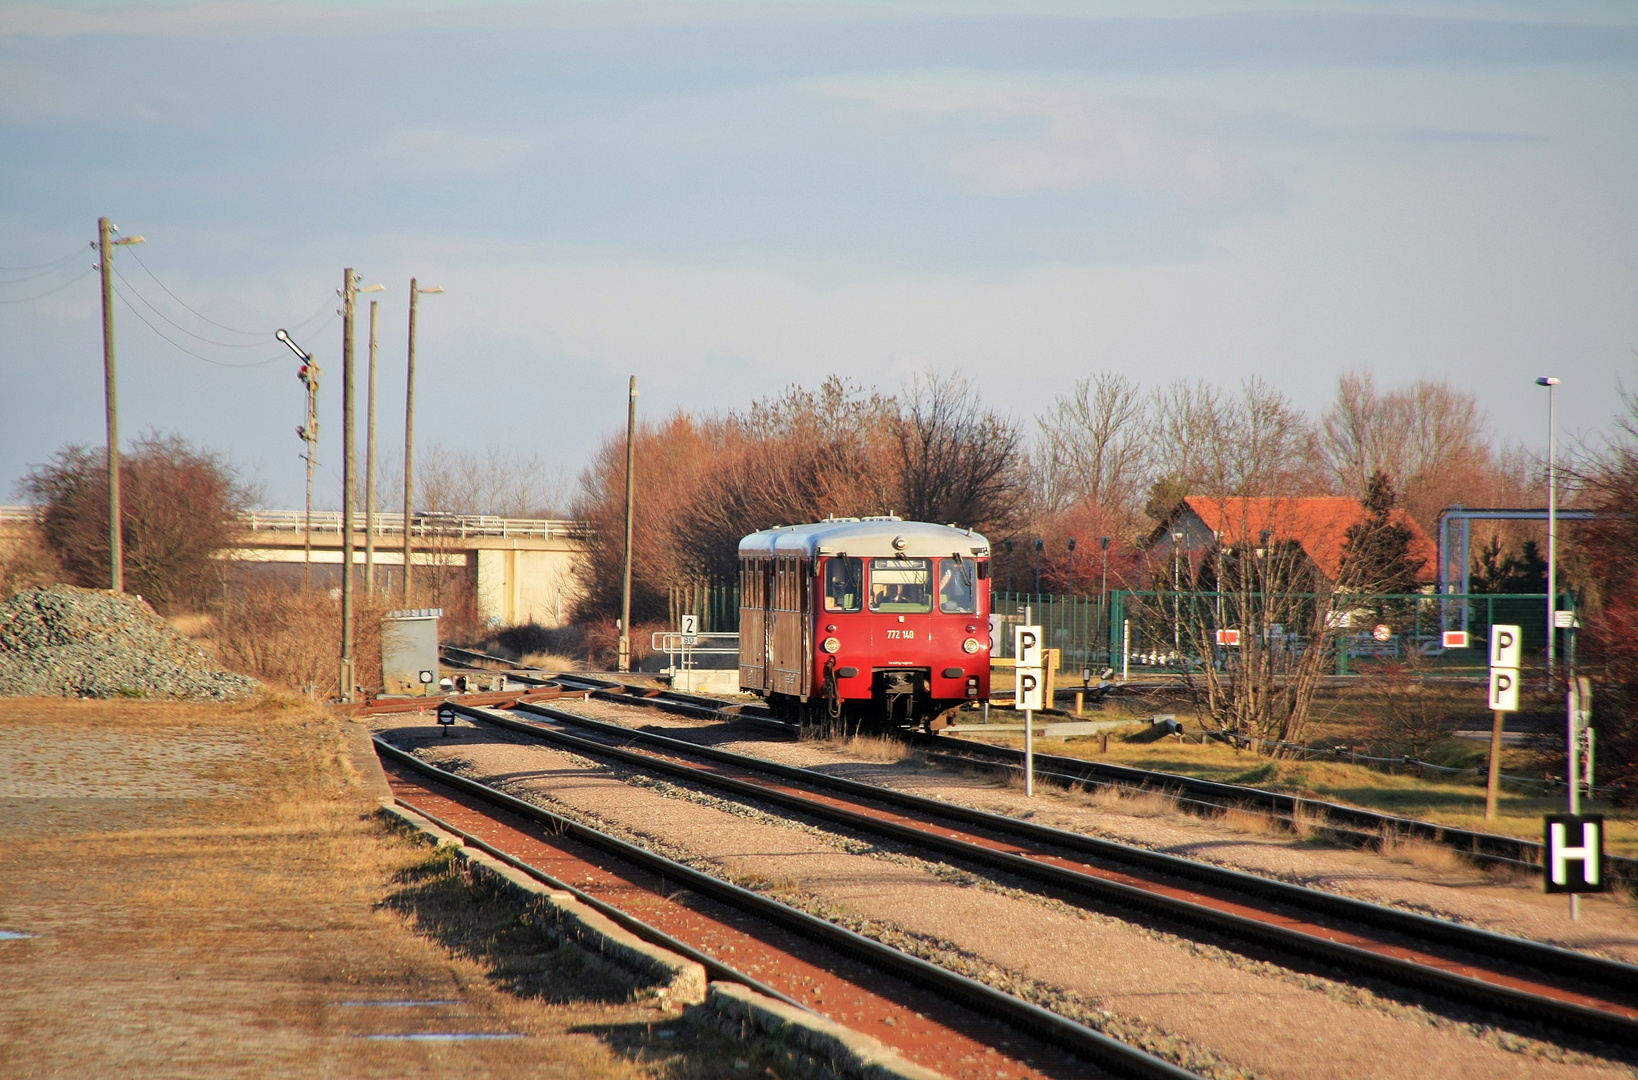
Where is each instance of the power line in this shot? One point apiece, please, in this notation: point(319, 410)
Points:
point(207, 318)
point(182, 348)
point(52, 269)
point(39, 266)
point(208, 341)
point(48, 292)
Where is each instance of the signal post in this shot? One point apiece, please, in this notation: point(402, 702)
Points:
point(1030, 696)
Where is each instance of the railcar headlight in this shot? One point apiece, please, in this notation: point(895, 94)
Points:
point(971, 645)
point(831, 644)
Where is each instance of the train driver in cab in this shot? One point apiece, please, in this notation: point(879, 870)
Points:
point(955, 587)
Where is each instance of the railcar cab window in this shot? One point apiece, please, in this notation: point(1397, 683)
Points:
point(956, 592)
point(844, 584)
point(901, 585)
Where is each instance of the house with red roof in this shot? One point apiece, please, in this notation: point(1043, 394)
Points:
point(1318, 523)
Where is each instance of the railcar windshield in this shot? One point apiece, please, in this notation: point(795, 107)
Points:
point(957, 594)
point(901, 585)
point(844, 584)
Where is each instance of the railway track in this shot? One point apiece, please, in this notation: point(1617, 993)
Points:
point(1342, 824)
point(936, 1017)
point(1513, 977)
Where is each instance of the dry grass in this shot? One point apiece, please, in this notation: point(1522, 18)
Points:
point(1423, 854)
point(208, 913)
point(553, 662)
point(1251, 822)
point(872, 748)
point(1134, 802)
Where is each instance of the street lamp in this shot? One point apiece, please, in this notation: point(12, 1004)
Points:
point(1039, 544)
point(1071, 566)
point(1552, 525)
point(1177, 587)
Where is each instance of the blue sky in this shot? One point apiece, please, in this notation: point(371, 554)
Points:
point(726, 198)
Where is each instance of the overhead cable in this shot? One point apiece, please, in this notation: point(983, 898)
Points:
point(37, 296)
point(218, 363)
point(42, 266)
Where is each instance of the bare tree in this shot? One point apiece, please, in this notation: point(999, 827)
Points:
point(1428, 437)
point(179, 506)
point(1091, 446)
point(500, 481)
point(959, 462)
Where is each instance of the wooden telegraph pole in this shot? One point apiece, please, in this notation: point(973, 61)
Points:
point(348, 288)
point(116, 544)
point(409, 430)
point(369, 462)
point(631, 468)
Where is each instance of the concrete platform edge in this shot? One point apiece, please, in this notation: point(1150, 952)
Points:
point(677, 981)
point(830, 1047)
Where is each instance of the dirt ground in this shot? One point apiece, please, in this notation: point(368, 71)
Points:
point(1193, 1001)
point(205, 891)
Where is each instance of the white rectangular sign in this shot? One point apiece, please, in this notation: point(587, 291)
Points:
point(690, 629)
point(1504, 689)
point(1026, 647)
point(1505, 646)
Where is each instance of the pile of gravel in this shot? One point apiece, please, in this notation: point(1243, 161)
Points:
point(68, 642)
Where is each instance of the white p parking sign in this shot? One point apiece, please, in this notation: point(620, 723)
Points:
point(1574, 858)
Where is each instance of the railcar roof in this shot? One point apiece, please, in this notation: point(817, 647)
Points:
point(869, 537)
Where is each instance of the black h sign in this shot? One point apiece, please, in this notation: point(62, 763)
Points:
point(1574, 859)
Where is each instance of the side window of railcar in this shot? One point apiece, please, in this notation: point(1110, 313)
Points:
point(957, 594)
point(901, 585)
point(844, 584)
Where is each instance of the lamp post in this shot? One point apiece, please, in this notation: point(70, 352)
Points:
point(1177, 586)
point(1103, 586)
point(1039, 544)
point(409, 429)
point(1552, 525)
point(1071, 566)
point(1006, 546)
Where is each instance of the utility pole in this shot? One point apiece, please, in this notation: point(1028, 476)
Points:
point(369, 462)
point(348, 288)
point(116, 545)
point(631, 467)
point(409, 429)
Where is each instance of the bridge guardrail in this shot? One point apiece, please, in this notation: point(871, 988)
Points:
point(432, 524)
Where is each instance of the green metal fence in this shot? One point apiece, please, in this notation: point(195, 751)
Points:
point(1090, 631)
point(1156, 623)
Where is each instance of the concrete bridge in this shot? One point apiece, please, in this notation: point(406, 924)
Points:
point(520, 569)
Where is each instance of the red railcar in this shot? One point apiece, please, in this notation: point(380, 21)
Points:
point(856, 621)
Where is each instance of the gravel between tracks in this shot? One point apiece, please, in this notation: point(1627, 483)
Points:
point(83, 643)
point(1503, 903)
point(1215, 1010)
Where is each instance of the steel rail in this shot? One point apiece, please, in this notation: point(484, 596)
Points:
point(1362, 955)
point(1343, 822)
point(1479, 846)
point(1107, 1052)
